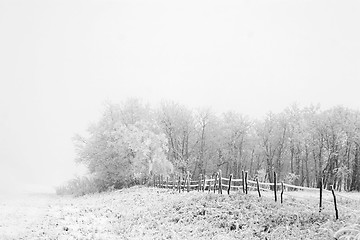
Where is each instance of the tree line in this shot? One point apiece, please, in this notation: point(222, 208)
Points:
point(132, 141)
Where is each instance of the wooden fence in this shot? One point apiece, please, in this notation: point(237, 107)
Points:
point(218, 183)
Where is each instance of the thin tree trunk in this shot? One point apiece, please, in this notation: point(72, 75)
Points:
point(316, 169)
point(251, 163)
point(355, 181)
point(307, 166)
point(320, 175)
point(292, 159)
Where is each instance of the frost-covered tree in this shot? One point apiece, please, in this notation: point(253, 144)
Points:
point(131, 141)
point(123, 147)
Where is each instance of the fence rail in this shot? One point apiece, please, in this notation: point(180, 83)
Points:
point(219, 183)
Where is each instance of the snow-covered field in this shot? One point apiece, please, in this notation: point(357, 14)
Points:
point(21, 213)
point(151, 213)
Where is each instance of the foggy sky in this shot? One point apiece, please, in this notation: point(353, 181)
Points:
point(60, 61)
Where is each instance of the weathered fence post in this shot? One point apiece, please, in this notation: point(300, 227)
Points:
point(229, 184)
point(282, 192)
point(204, 183)
point(243, 180)
point(210, 186)
point(179, 184)
point(336, 210)
point(215, 182)
point(188, 181)
point(258, 187)
point(167, 182)
point(321, 190)
point(199, 187)
point(154, 177)
point(220, 183)
point(275, 187)
point(173, 182)
point(183, 186)
point(246, 182)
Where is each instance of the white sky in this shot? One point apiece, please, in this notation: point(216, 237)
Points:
point(61, 60)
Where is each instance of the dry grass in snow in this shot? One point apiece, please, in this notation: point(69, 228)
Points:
point(151, 213)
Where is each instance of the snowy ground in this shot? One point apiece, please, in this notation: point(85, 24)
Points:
point(20, 213)
point(151, 213)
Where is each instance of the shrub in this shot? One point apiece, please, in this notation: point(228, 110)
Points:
point(81, 186)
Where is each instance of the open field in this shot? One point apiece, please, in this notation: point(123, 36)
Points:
point(21, 213)
point(152, 213)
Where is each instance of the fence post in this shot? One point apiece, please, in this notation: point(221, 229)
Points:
point(220, 182)
point(243, 180)
point(183, 185)
point(167, 182)
point(199, 183)
point(246, 182)
point(275, 186)
point(173, 182)
point(215, 182)
point(321, 190)
point(229, 184)
point(282, 192)
point(258, 187)
point(154, 177)
point(336, 210)
point(210, 185)
point(179, 184)
point(204, 183)
point(188, 181)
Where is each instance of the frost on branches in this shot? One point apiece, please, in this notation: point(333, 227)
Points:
point(122, 148)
